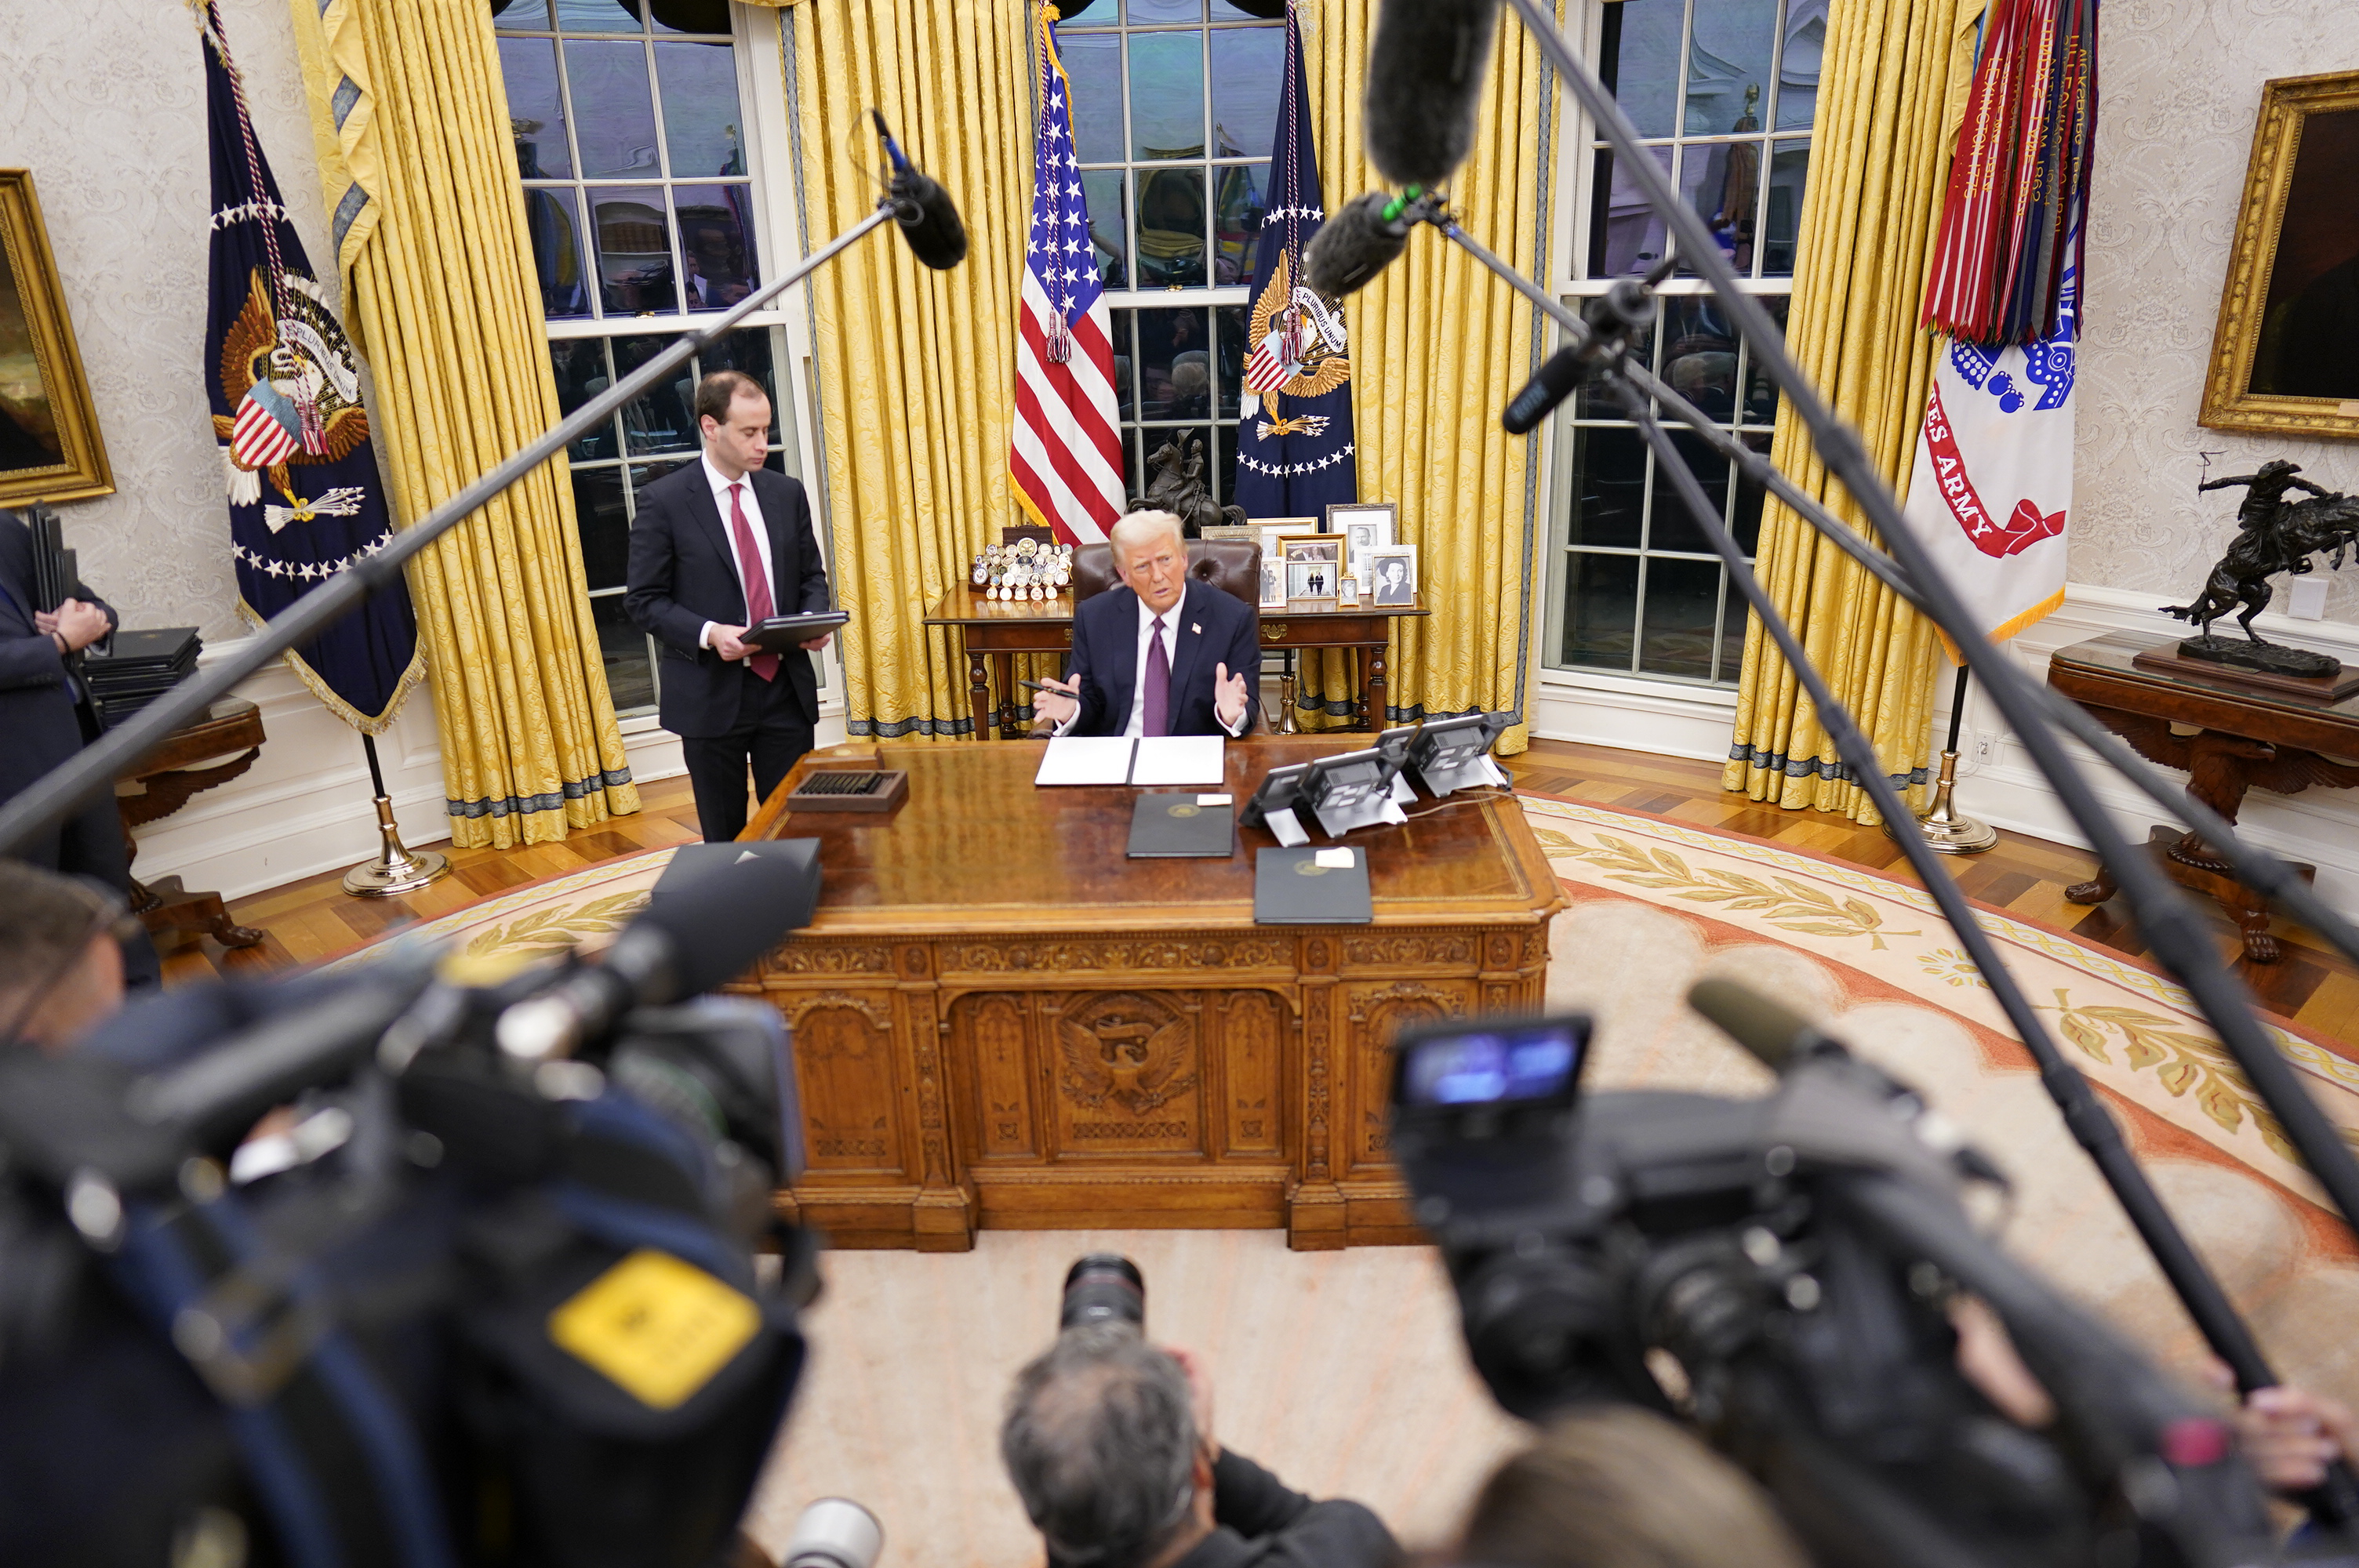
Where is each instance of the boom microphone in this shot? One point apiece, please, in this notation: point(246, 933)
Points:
point(1771, 1030)
point(1564, 371)
point(928, 220)
point(1425, 68)
point(1360, 240)
point(1614, 318)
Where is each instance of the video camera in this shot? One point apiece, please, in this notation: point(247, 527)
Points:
point(1781, 1271)
point(488, 1294)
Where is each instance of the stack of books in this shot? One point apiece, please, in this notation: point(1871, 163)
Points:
point(138, 667)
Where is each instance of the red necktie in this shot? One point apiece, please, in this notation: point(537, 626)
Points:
point(758, 586)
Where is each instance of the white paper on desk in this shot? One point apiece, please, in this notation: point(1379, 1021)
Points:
point(1086, 760)
point(1333, 859)
point(1178, 759)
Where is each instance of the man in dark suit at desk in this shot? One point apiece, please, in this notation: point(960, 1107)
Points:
point(718, 547)
point(1164, 654)
point(46, 716)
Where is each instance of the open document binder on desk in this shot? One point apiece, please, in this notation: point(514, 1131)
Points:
point(1153, 761)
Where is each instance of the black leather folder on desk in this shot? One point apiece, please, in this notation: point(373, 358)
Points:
point(1178, 826)
point(1291, 888)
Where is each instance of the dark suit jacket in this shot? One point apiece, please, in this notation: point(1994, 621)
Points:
point(683, 573)
point(1106, 657)
point(39, 705)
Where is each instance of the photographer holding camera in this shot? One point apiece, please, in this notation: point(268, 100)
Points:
point(1108, 1440)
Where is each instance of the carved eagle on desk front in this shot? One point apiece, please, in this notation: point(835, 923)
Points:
point(1134, 1062)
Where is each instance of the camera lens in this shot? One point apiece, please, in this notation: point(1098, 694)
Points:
point(834, 1532)
point(1101, 1286)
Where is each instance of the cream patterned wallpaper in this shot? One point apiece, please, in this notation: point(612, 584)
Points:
point(104, 102)
point(2181, 85)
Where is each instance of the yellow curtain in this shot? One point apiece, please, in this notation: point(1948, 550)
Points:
point(917, 369)
point(411, 120)
point(1891, 95)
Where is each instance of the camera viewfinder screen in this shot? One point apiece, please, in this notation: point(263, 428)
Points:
point(1504, 1066)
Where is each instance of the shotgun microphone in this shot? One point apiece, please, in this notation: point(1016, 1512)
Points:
point(1360, 240)
point(1614, 319)
point(929, 220)
point(1425, 68)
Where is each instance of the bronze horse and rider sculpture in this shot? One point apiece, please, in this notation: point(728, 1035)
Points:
point(2272, 536)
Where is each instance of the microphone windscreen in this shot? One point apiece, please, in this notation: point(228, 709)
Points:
point(725, 921)
point(1552, 384)
point(1352, 246)
point(1425, 68)
point(936, 236)
point(1767, 1029)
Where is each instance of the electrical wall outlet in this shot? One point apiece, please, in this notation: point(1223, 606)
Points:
point(1985, 746)
point(2306, 599)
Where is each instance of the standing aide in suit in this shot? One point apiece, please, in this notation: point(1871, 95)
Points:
point(1164, 654)
point(46, 716)
point(717, 548)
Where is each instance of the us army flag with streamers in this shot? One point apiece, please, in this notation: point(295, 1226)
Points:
point(305, 498)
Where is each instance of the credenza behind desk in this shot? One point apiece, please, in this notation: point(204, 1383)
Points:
point(999, 1020)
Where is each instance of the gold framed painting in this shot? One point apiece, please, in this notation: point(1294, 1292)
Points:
point(49, 445)
point(2284, 354)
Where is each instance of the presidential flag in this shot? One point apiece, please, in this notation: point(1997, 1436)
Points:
point(305, 499)
point(1294, 445)
point(1065, 457)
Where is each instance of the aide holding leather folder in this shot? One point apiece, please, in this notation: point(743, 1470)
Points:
point(1163, 654)
point(720, 546)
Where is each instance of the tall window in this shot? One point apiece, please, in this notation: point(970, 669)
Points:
point(630, 135)
point(1173, 108)
point(1723, 91)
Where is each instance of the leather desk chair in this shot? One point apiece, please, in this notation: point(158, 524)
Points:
point(1233, 565)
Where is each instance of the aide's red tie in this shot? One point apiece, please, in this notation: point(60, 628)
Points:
point(757, 583)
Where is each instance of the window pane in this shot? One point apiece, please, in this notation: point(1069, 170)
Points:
point(1749, 498)
point(1241, 198)
point(1094, 65)
point(1595, 400)
point(1732, 634)
point(658, 420)
point(1601, 599)
point(1229, 321)
point(1674, 527)
point(1124, 358)
point(700, 109)
point(1166, 94)
point(1131, 488)
point(615, 117)
point(1760, 392)
point(535, 108)
point(1140, 11)
point(1682, 605)
point(581, 366)
point(1721, 182)
point(1248, 72)
point(1609, 478)
point(746, 349)
point(1728, 66)
point(629, 677)
point(1105, 189)
point(605, 524)
point(1225, 492)
point(1089, 14)
point(1233, 11)
point(528, 16)
point(548, 217)
point(634, 250)
point(1625, 237)
point(1700, 353)
point(716, 242)
point(1175, 365)
point(1170, 227)
point(1797, 67)
point(690, 15)
point(597, 16)
point(645, 474)
point(1789, 170)
point(1639, 60)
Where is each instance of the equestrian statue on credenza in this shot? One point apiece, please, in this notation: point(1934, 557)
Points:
point(2272, 536)
point(1177, 488)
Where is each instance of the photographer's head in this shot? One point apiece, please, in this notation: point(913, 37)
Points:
point(1616, 1487)
point(60, 966)
point(1101, 1443)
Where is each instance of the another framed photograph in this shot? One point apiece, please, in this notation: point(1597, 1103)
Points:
point(1364, 527)
point(2285, 354)
point(1391, 575)
point(1314, 566)
point(1273, 579)
point(49, 445)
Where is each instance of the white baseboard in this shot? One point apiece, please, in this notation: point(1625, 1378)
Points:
point(1667, 718)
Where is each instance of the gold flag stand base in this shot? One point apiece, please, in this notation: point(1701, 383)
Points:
point(397, 869)
point(1948, 830)
point(1286, 723)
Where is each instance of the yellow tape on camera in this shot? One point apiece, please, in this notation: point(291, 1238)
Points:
point(658, 1327)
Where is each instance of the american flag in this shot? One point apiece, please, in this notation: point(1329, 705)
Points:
point(1066, 456)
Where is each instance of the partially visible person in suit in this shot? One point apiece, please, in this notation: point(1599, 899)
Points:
point(717, 548)
point(60, 965)
point(1164, 654)
point(46, 716)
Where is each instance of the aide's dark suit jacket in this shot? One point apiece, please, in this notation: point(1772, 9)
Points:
point(37, 717)
point(1105, 657)
point(683, 573)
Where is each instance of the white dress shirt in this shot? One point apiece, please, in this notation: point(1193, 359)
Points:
point(1172, 626)
point(753, 508)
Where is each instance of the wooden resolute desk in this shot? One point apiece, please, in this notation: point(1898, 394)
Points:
point(999, 1020)
point(1005, 628)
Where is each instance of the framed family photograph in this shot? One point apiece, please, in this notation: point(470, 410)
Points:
point(49, 445)
point(2285, 354)
point(1364, 527)
point(1314, 563)
point(1391, 577)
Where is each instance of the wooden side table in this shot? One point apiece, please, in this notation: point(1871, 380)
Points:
point(169, 777)
point(1001, 629)
point(2238, 739)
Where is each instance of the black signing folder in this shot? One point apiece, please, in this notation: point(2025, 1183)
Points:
point(1312, 887)
point(788, 633)
point(1184, 826)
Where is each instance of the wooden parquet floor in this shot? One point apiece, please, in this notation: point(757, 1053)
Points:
point(314, 919)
